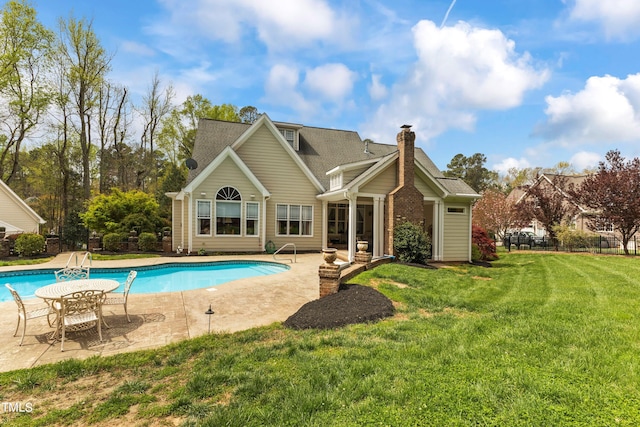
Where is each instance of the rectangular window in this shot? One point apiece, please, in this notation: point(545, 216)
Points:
point(294, 220)
point(228, 218)
point(455, 210)
point(252, 215)
point(203, 217)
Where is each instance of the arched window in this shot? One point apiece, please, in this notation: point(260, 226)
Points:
point(228, 211)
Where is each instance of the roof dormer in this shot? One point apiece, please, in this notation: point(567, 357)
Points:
point(290, 132)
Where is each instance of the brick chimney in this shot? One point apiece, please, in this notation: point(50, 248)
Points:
point(405, 203)
point(406, 143)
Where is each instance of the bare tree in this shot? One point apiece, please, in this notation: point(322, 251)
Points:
point(87, 64)
point(156, 106)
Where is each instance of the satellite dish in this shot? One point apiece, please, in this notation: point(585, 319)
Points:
point(191, 164)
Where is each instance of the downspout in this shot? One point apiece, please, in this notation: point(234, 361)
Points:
point(264, 221)
point(325, 208)
point(470, 232)
point(190, 224)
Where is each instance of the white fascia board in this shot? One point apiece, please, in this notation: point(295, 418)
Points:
point(370, 173)
point(429, 175)
point(266, 121)
point(28, 210)
point(227, 153)
point(350, 166)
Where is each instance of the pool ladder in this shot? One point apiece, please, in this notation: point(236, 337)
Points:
point(284, 246)
point(84, 258)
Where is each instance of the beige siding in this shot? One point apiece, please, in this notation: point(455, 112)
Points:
point(423, 185)
point(383, 183)
point(286, 183)
point(457, 234)
point(349, 175)
point(226, 174)
point(15, 215)
point(177, 222)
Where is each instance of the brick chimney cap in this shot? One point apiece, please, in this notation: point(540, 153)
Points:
point(406, 126)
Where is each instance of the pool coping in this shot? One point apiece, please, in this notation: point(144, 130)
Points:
point(163, 318)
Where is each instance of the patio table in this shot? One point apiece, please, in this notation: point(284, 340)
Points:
point(55, 291)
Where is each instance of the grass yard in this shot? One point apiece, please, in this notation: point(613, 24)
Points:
point(538, 339)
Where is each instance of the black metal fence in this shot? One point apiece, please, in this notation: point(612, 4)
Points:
point(592, 244)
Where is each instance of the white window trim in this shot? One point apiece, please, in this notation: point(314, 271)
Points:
point(215, 222)
point(246, 218)
point(288, 205)
point(451, 210)
point(211, 224)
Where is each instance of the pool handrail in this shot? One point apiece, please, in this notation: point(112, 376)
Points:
point(73, 254)
point(284, 246)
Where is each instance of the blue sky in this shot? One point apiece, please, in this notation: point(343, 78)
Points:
point(528, 83)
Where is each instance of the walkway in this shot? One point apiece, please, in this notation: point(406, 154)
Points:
point(163, 318)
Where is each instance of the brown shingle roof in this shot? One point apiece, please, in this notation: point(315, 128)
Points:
point(320, 149)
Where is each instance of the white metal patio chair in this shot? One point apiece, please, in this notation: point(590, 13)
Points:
point(120, 298)
point(72, 273)
point(25, 312)
point(79, 310)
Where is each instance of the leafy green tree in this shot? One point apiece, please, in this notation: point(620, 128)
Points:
point(179, 128)
point(122, 212)
point(472, 171)
point(25, 54)
point(249, 114)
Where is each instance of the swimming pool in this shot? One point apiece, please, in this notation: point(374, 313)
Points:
point(169, 277)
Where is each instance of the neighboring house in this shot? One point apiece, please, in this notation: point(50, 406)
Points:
point(15, 215)
point(579, 220)
point(278, 183)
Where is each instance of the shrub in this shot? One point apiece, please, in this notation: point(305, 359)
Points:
point(571, 238)
point(411, 243)
point(29, 244)
point(147, 242)
point(486, 246)
point(111, 241)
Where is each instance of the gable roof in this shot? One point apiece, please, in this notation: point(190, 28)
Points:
point(320, 150)
point(227, 153)
point(21, 203)
point(520, 193)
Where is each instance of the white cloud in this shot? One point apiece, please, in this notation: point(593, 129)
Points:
point(607, 110)
point(289, 24)
point(618, 18)
point(332, 82)
point(460, 69)
point(377, 90)
point(585, 160)
point(281, 88)
point(505, 165)
point(136, 48)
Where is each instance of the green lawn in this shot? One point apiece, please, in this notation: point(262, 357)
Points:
point(537, 340)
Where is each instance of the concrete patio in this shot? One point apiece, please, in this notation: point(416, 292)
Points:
point(163, 318)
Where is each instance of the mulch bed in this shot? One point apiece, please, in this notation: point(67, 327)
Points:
point(352, 304)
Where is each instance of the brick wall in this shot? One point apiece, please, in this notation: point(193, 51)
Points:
point(405, 203)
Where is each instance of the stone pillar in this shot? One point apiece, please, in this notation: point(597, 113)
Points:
point(94, 243)
point(5, 248)
point(133, 241)
point(329, 279)
point(167, 243)
point(53, 245)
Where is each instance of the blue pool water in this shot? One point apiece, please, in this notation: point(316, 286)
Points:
point(151, 279)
